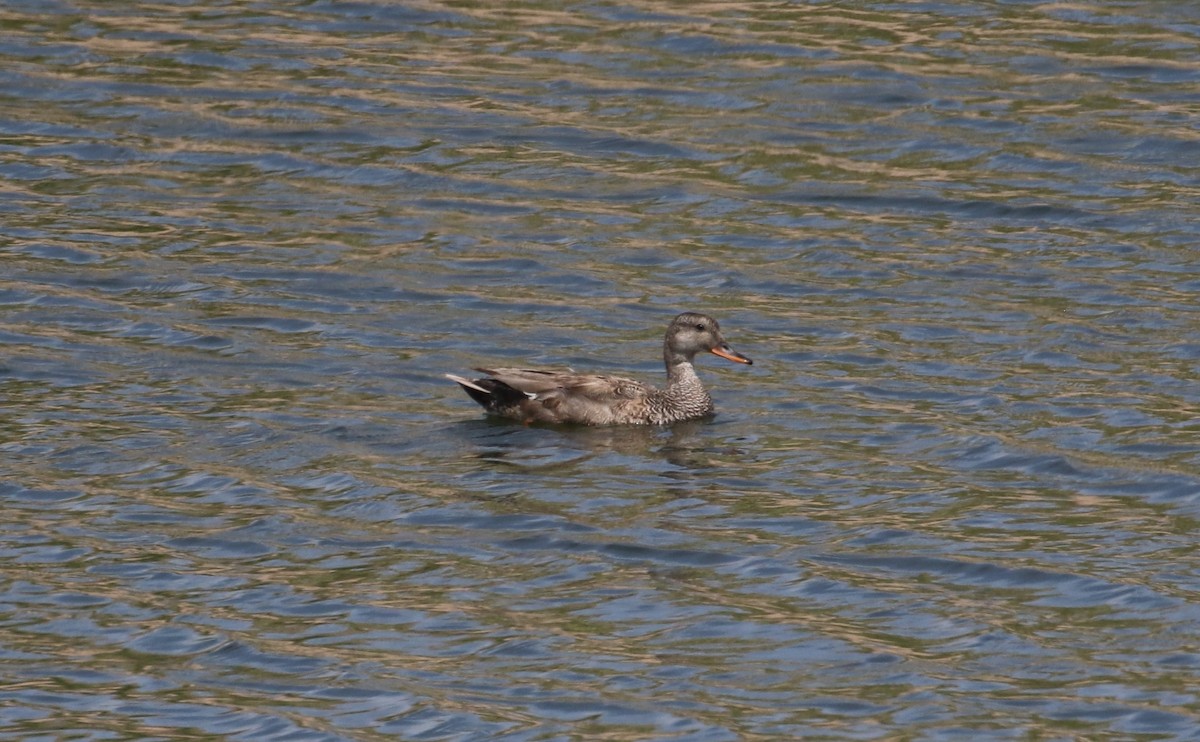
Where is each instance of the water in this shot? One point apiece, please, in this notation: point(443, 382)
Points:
point(957, 494)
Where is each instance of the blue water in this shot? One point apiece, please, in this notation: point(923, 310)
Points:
point(957, 495)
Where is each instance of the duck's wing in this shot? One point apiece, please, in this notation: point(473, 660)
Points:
point(564, 383)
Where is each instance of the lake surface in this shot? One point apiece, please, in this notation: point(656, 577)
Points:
point(958, 494)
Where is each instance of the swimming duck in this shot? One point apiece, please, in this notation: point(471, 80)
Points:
point(563, 396)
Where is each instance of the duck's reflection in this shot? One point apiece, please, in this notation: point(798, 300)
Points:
point(687, 445)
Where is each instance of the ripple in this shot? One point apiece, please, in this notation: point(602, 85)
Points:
point(215, 548)
point(174, 641)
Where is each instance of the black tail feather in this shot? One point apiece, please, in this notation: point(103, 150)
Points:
point(498, 393)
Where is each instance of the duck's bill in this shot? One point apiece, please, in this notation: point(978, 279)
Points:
point(730, 354)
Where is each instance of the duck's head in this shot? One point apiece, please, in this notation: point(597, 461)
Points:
point(691, 333)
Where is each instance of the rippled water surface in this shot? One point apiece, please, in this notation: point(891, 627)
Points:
point(957, 495)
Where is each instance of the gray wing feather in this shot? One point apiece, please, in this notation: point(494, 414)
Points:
point(548, 382)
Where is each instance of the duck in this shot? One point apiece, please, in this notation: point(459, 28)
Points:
point(547, 395)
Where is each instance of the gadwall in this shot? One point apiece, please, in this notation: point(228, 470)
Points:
point(563, 396)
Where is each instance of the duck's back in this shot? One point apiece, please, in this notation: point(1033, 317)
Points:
point(562, 396)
